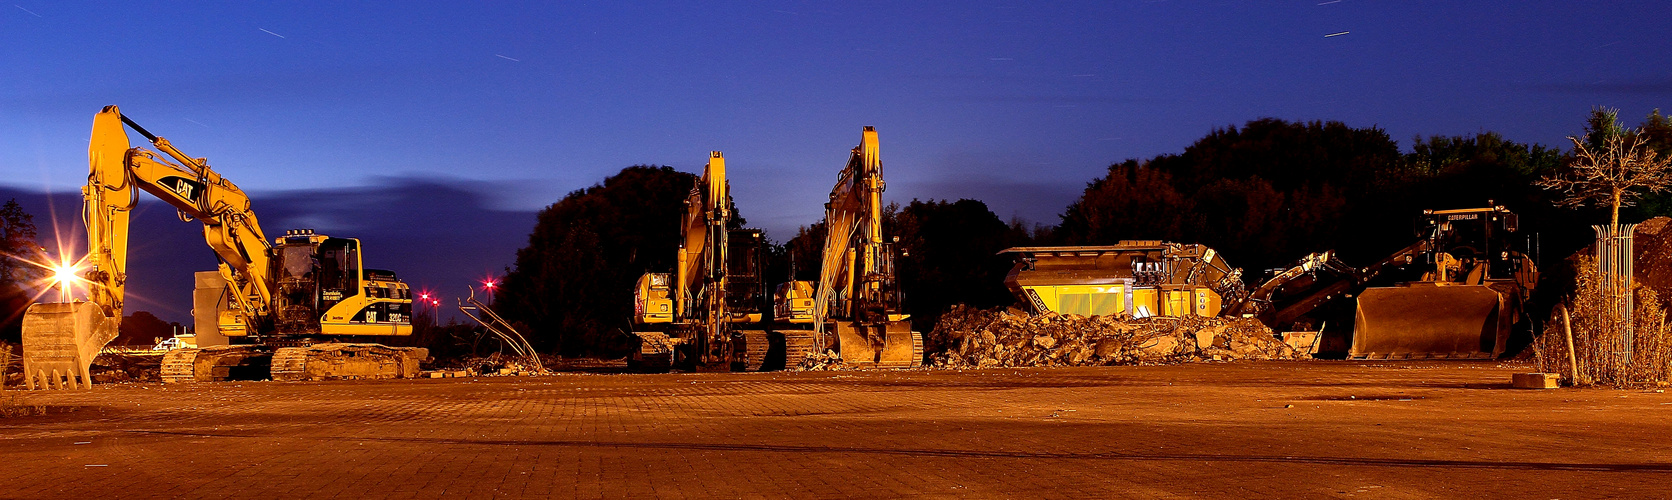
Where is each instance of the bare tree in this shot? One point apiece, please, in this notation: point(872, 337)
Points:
point(1612, 168)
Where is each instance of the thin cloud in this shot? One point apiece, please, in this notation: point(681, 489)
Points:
point(1645, 86)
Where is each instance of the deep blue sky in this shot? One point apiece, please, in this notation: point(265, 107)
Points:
point(1014, 103)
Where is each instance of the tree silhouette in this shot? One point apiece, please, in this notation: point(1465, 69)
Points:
point(1612, 167)
point(573, 283)
point(17, 243)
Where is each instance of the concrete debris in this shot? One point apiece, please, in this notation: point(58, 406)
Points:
point(497, 364)
point(975, 338)
point(822, 361)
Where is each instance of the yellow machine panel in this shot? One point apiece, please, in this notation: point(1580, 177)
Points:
point(1134, 278)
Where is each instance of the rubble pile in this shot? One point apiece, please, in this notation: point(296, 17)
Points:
point(825, 361)
point(500, 363)
point(974, 338)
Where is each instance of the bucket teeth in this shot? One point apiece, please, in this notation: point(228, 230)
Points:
point(60, 340)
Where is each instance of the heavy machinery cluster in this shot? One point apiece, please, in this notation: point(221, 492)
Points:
point(303, 306)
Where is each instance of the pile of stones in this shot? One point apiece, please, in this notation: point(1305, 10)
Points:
point(967, 337)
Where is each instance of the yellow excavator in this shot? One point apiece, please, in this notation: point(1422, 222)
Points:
point(707, 314)
point(855, 307)
point(284, 306)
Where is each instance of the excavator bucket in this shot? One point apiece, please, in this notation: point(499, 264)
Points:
point(1427, 320)
point(890, 345)
point(901, 348)
point(854, 343)
point(60, 340)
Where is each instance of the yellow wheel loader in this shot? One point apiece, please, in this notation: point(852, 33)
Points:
point(1455, 293)
point(855, 306)
point(1473, 283)
point(295, 299)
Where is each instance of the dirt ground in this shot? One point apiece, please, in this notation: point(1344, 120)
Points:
point(1228, 430)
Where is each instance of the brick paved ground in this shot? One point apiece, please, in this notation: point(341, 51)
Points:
point(1321, 429)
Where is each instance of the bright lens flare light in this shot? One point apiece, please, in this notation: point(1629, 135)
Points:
point(63, 275)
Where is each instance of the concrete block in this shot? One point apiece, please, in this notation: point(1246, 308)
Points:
point(1536, 380)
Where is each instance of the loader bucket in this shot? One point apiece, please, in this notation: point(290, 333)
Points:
point(60, 340)
point(1425, 320)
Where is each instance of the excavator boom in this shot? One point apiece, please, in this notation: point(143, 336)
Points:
point(856, 308)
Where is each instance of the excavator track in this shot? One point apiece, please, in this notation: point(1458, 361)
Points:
point(901, 350)
point(798, 344)
point(655, 354)
point(209, 364)
point(338, 361)
point(757, 347)
point(765, 351)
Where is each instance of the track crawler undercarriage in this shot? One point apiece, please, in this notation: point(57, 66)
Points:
point(324, 361)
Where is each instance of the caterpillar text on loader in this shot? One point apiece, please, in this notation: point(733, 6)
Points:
point(285, 306)
point(708, 313)
point(855, 307)
point(1135, 278)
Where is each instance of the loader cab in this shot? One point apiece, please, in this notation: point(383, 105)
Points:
point(1481, 239)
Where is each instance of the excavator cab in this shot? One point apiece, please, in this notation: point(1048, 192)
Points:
point(322, 289)
point(792, 302)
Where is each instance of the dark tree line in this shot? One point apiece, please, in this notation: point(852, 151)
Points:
point(572, 285)
point(1272, 191)
point(1264, 194)
point(17, 246)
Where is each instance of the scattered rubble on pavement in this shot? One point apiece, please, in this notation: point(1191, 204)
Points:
point(977, 338)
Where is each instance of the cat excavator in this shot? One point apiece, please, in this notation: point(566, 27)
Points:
point(855, 306)
point(708, 313)
point(285, 307)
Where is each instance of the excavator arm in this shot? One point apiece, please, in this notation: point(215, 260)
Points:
point(857, 272)
point(853, 213)
point(116, 170)
point(61, 339)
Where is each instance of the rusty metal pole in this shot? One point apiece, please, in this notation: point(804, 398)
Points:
point(1573, 360)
